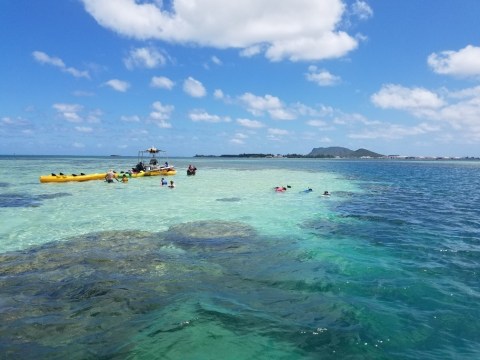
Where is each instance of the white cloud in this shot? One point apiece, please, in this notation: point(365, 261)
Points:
point(94, 116)
point(272, 105)
point(132, 118)
point(394, 131)
point(252, 124)
point(69, 112)
point(317, 123)
point(238, 139)
point(8, 121)
point(415, 100)
point(216, 60)
point(295, 30)
point(43, 58)
point(464, 62)
point(277, 132)
point(162, 82)
point(459, 109)
point(218, 94)
point(251, 51)
point(78, 145)
point(84, 129)
point(118, 85)
point(201, 115)
point(146, 57)
point(362, 10)
point(194, 88)
point(161, 114)
point(321, 77)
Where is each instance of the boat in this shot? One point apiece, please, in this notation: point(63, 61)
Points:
point(60, 177)
point(153, 167)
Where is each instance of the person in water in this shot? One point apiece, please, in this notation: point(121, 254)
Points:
point(124, 178)
point(172, 184)
point(280, 188)
point(326, 193)
point(164, 182)
point(110, 176)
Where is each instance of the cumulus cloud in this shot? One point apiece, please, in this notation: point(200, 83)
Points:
point(145, 57)
point(202, 115)
point(294, 30)
point(394, 131)
point(459, 109)
point(118, 85)
point(84, 129)
point(362, 10)
point(415, 100)
point(239, 139)
point(161, 114)
point(216, 60)
point(321, 77)
point(194, 88)
point(69, 112)
point(317, 123)
point(252, 124)
point(161, 82)
point(464, 62)
point(258, 105)
point(132, 118)
point(8, 121)
point(278, 132)
point(44, 58)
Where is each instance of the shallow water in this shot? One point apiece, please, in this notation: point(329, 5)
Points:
point(223, 267)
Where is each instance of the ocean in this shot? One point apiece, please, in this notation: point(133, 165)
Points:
point(224, 267)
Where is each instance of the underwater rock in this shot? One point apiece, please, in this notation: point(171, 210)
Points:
point(231, 199)
point(213, 229)
point(18, 200)
point(26, 200)
point(216, 234)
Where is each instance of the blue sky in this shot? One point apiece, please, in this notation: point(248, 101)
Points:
point(212, 77)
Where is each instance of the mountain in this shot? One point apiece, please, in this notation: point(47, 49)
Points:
point(337, 151)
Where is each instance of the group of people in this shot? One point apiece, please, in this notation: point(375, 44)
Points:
point(308, 190)
point(164, 182)
point(111, 175)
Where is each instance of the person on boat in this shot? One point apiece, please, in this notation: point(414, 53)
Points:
point(124, 178)
point(164, 182)
point(172, 184)
point(166, 164)
point(110, 176)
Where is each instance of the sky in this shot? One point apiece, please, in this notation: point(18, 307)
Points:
point(213, 77)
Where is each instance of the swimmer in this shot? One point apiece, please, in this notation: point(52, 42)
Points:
point(124, 178)
point(172, 184)
point(326, 193)
point(164, 182)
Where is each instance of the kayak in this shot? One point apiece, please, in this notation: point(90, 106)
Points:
point(73, 177)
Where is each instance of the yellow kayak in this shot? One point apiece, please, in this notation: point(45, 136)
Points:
point(163, 172)
point(72, 177)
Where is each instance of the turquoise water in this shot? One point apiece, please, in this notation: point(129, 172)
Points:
point(223, 267)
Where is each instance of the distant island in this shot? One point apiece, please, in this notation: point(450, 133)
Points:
point(338, 152)
point(326, 153)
